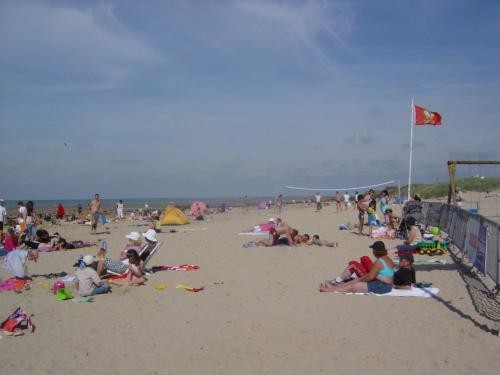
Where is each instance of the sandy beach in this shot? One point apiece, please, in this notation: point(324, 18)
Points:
point(260, 312)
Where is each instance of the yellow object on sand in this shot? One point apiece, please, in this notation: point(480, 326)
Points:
point(173, 216)
point(160, 286)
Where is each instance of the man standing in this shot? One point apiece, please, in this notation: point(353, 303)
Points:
point(346, 200)
point(317, 197)
point(3, 217)
point(94, 208)
point(338, 201)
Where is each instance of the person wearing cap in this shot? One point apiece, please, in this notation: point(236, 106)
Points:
point(3, 217)
point(134, 243)
point(404, 277)
point(16, 262)
point(378, 280)
point(88, 281)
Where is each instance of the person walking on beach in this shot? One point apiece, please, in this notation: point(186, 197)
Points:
point(338, 201)
point(317, 197)
point(119, 210)
point(361, 206)
point(3, 217)
point(279, 204)
point(94, 208)
point(346, 200)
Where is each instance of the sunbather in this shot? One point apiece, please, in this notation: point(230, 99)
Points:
point(404, 277)
point(134, 243)
point(378, 280)
point(318, 242)
point(414, 237)
point(136, 270)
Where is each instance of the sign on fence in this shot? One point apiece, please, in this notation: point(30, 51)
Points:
point(475, 243)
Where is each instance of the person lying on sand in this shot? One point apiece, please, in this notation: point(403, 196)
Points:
point(299, 239)
point(318, 242)
point(378, 280)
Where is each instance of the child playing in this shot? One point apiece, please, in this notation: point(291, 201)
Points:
point(88, 281)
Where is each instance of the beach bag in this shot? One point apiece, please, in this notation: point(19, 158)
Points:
point(19, 319)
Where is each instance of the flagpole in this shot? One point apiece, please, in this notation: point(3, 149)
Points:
point(411, 147)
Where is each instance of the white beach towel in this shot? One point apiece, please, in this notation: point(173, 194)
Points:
point(413, 292)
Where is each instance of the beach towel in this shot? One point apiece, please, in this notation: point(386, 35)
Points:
point(11, 284)
point(182, 267)
point(413, 292)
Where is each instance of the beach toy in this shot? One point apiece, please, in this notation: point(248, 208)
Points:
point(45, 285)
point(57, 285)
point(189, 288)
point(160, 286)
point(64, 294)
point(435, 231)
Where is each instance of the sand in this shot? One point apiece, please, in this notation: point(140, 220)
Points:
point(260, 312)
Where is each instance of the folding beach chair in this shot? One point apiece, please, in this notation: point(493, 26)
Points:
point(145, 254)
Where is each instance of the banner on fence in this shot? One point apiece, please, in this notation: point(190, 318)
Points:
point(475, 243)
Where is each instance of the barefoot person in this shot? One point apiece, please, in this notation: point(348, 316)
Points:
point(360, 205)
point(94, 208)
point(378, 280)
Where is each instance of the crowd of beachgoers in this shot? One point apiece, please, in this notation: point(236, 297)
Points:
point(24, 240)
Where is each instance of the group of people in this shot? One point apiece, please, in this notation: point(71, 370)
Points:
point(280, 233)
point(378, 277)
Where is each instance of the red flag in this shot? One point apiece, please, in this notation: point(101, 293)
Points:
point(425, 117)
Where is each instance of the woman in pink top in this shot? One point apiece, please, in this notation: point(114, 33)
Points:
point(10, 240)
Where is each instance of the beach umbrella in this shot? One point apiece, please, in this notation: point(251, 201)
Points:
point(198, 208)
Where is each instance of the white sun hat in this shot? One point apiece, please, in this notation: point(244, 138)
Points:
point(134, 236)
point(150, 235)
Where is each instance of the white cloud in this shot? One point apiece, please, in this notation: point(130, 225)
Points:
point(88, 49)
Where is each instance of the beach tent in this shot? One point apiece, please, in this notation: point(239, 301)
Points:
point(173, 216)
point(198, 208)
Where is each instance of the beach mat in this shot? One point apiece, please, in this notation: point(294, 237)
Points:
point(413, 292)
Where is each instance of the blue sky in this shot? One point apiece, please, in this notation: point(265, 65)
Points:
point(230, 98)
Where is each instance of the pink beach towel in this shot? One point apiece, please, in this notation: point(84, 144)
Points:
point(11, 284)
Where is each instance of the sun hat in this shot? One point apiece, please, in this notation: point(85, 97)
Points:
point(2, 200)
point(134, 236)
point(272, 219)
point(377, 245)
point(88, 259)
point(150, 235)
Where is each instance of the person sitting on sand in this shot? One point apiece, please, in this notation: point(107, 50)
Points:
point(378, 280)
point(88, 281)
point(134, 243)
point(283, 228)
point(354, 270)
point(318, 242)
point(404, 277)
point(413, 238)
point(136, 270)
point(11, 240)
point(16, 262)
